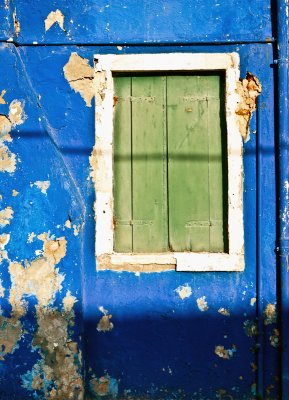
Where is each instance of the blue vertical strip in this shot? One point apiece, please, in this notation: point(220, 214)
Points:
point(282, 48)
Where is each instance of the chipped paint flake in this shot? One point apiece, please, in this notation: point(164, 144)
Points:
point(104, 324)
point(16, 112)
point(76, 229)
point(68, 224)
point(270, 314)
point(226, 354)
point(2, 101)
point(248, 89)
point(250, 328)
point(53, 250)
point(2, 289)
point(80, 76)
point(68, 302)
point(14, 193)
point(253, 301)
point(7, 160)
point(275, 338)
point(31, 237)
point(202, 304)
point(54, 17)
point(42, 185)
point(104, 386)
point(5, 127)
point(224, 312)
point(10, 334)
point(184, 291)
point(5, 216)
point(16, 23)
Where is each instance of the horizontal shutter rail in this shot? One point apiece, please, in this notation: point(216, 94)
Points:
point(199, 98)
point(138, 99)
point(134, 222)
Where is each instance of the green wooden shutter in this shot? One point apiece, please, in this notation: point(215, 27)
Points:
point(170, 164)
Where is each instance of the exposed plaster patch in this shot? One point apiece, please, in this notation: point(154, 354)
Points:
point(68, 302)
point(104, 263)
point(7, 160)
point(270, 314)
point(226, 354)
point(4, 239)
point(184, 291)
point(68, 224)
point(224, 312)
point(10, 334)
point(80, 76)
point(2, 101)
point(248, 89)
point(104, 324)
point(253, 301)
point(54, 17)
point(5, 216)
point(53, 250)
point(31, 237)
point(250, 328)
point(2, 289)
point(42, 185)
point(202, 304)
point(76, 229)
point(16, 112)
point(14, 193)
point(104, 386)
point(16, 23)
point(5, 127)
point(275, 338)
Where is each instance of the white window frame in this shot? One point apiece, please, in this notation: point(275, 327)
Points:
point(105, 66)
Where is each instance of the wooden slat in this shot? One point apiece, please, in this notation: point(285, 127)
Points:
point(188, 172)
point(217, 167)
point(122, 166)
point(149, 164)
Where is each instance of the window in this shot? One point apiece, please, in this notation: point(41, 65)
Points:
point(169, 155)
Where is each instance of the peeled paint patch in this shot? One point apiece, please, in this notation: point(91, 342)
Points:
point(2, 101)
point(10, 334)
point(42, 185)
point(5, 126)
point(53, 18)
point(16, 23)
point(5, 216)
point(250, 328)
point(2, 289)
point(68, 302)
point(202, 304)
point(275, 338)
point(226, 354)
point(14, 193)
point(39, 278)
point(104, 386)
point(270, 314)
point(80, 76)
point(4, 239)
point(104, 324)
point(53, 250)
point(7, 160)
point(224, 312)
point(16, 112)
point(93, 164)
point(31, 237)
point(253, 301)
point(68, 224)
point(248, 89)
point(184, 291)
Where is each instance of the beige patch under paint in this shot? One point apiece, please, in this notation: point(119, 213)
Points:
point(248, 89)
point(202, 304)
point(5, 127)
point(53, 250)
point(80, 76)
point(253, 301)
point(16, 23)
point(31, 237)
point(54, 17)
point(76, 229)
point(68, 224)
point(4, 240)
point(226, 354)
point(16, 112)
point(5, 216)
point(2, 101)
point(2, 289)
point(270, 314)
point(7, 160)
point(14, 193)
point(250, 328)
point(39, 278)
point(42, 185)
point(275, 338)
point(104, 324)
point(10, 334)
point(224, 311)
point(100, 387)
point(93, 164)
point(184, 291)
point(68, 302)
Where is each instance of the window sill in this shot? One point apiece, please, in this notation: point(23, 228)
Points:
point(181, 262)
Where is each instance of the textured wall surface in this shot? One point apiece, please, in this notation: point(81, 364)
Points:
point(66, 330)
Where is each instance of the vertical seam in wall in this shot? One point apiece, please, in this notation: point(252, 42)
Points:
point(131, 167)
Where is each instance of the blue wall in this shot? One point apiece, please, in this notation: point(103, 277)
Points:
point(160, 346)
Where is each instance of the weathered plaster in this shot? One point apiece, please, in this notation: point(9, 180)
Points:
point(104, 324)
point(270, 314)
point(80, 76)
point(54, 17)
point(42, 185)
point(202, 304)
point(184, 291)
point(226, 354)
point(16, 23)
